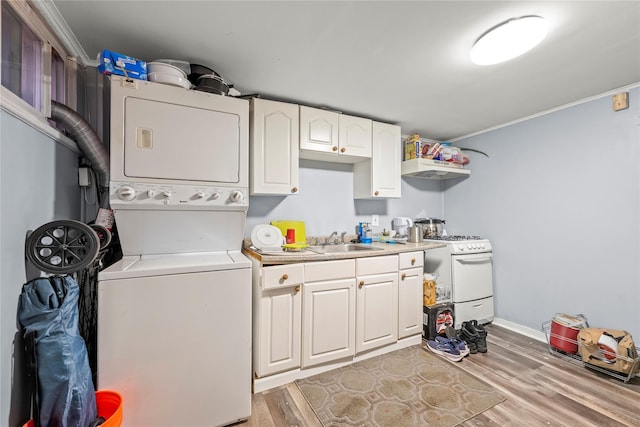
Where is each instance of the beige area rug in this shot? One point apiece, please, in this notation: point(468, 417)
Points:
point(408, 387)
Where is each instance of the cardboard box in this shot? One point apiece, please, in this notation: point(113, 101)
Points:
point(113, 63)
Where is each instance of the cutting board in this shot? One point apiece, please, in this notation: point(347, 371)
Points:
point(298, 226)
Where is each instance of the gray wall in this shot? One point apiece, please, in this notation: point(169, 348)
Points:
point(326, 203)
point(38, 184)
point(559, 199)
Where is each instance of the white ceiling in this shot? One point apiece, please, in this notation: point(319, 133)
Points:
point(405, 62)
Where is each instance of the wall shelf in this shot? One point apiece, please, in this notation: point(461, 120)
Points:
point(432, 169)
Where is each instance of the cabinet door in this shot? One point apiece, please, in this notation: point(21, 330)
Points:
point(280, 324)
point(376, 311)
point(354, 136)
point(386, 162)
point(318, 130)
point(328, 323)
point(274, 137)
point(410, 302)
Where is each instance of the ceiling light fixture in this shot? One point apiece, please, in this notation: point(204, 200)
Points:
point(509, 39)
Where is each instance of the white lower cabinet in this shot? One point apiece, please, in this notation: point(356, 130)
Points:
point(277, 318)
point(328, 321)
point(376, 302)
point(410, 277)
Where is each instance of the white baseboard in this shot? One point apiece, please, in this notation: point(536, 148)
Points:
point(523, 330)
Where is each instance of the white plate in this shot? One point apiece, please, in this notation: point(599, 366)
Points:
point(264, 236)
point(169, 79)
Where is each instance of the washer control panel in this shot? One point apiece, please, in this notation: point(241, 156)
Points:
point(154, 196)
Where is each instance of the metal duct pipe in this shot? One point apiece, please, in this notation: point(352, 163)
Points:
point(86, 138)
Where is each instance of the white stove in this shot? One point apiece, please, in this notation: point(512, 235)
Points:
point(465, 265)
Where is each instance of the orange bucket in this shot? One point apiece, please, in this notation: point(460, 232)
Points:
point(109, 405)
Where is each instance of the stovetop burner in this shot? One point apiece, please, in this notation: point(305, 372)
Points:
point(455, 238)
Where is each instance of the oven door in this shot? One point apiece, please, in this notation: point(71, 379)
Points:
point(472, 276)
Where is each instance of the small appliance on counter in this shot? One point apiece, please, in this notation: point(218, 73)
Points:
point(401, 225)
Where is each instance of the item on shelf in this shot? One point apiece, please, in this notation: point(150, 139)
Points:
point(412, 147)
point(122, 65)
point(564, 331)
point(609, 348)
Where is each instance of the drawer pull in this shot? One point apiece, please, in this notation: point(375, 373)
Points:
point(285, 277)
point(413, 261)
point(294, 190)
point(342, 150)
point(361, 284)
point(297, 289)
point(334, 148)
point(403, 276)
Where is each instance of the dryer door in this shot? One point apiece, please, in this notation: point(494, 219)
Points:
point(179, 142)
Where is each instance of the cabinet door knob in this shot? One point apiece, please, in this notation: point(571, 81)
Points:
point(403, 276)
point(361, 284)
point(294, 190)
point(413, 261)
point(342, 150)
point(297, 289)
point(376, 193)
point(285, 277)
point(334, 148)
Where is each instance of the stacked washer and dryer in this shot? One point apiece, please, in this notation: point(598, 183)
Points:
point(174, 314)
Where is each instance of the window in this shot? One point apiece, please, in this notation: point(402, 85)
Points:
point(21, 58)
point(36, 67)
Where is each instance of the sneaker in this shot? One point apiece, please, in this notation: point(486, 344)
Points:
point(482, 336)
point(447, 350)
point(469, 334)
point(460, 345)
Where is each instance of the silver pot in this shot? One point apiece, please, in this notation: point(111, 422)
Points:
point(431, 227)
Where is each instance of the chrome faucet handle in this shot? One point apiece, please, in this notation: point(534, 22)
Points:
point(332, 236)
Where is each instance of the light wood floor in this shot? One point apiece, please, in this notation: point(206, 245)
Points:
point(541, 390)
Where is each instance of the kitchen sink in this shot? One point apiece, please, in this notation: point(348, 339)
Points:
point(339, 248)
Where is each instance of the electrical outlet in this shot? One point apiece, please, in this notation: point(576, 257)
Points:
point(375, 220)
point(621, 101)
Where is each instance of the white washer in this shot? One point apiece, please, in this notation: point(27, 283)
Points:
point(174, 314)
point(174, 338)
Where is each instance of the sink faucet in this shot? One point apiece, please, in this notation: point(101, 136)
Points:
point(344, 233)
point(334, 234)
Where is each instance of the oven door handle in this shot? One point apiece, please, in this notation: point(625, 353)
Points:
point(474, 260)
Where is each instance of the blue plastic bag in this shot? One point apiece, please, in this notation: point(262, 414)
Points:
point(48, 308)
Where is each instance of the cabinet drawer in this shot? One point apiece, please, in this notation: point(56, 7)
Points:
point(376, 265)
point(282, 276)
point(329, 270)
point(411, 259)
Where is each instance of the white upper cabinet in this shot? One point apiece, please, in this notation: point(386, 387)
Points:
point(274, 134)
point(330, 136)
point(354, 136)
point(380, 177)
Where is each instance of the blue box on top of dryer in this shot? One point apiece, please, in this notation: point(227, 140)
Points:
point(114, 63)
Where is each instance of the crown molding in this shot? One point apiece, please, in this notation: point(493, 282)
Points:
point(58, 25)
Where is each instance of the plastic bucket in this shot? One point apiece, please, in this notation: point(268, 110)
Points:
point(109, 405)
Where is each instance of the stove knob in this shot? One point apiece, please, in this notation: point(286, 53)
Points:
point(199, 195)
point(469, 246)
point(214, 196)
point(126, 193)
point(166, 194)
point(461, 247)
point(151, 194)
point(236, 196)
